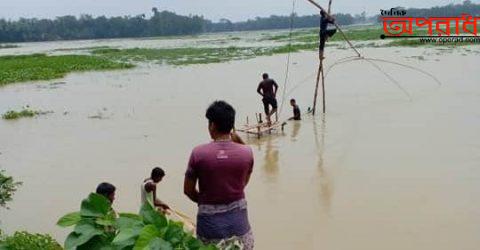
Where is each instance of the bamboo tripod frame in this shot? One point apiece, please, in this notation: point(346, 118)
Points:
point(320, 74)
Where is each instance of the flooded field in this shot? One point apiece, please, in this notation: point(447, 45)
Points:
point(381, 170)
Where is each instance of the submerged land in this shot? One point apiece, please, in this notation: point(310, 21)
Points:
point(61, 61)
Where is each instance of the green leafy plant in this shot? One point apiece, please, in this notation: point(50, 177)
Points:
point(8, 186)
point(93, 224)
point(28, 241)
point(152, 230)
point(98, 227)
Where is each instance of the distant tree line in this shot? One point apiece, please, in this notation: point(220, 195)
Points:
point(165, 23)
point(87, 27)
point(275, 22)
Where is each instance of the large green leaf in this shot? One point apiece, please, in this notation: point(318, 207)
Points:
point(105, 221)
point(127, 222)
point(69, 219)
point(159, 244)
point(192, 242)
point(126, 237)
point(75, 239)
point(97, 243)
point(174, 233)
point(147, 234)
point(85, 226)
point(209, 247)
point(95, 206)
point(130, 215)
point(152, 216)
point(83, 232)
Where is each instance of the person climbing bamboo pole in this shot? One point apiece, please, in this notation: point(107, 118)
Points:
point(338, 27)
point(327, 30)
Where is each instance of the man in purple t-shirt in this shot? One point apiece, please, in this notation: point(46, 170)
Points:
point(222, 169)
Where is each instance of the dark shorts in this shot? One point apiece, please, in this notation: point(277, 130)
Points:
point(269, 101)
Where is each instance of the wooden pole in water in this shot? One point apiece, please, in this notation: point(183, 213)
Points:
point(320, 66)
point(323, 87)
point(321, 61)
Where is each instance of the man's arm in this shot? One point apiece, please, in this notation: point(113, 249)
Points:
point(236, 138)
point(331, 19)
point(156, 201)
point(276, 87)
point(259, 88)
point(189, 188)
point(247, 179)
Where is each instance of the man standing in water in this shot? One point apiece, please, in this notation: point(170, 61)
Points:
point(268, 90)
point(222, 169)
point(326, 30)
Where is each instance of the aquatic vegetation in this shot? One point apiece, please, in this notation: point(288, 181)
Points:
point(25, 240)
point(83, 48)
point(25, 112)
point(8, 46)
point(311, 35)
point(188, 56)
point(42, 67)
point(97, 227)
point(175, 56)
point(12, 114)
point(8, 186)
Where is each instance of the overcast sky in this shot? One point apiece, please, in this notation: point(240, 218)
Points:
point(212, 9)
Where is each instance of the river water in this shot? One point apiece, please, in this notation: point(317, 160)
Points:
point(381, 170)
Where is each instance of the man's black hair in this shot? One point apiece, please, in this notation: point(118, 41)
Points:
point(157, 173)
point(293, 100)
point(222, 115)
point(265, 76)
point(105, 189)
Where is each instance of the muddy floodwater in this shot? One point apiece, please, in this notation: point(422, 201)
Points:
point(381, 170)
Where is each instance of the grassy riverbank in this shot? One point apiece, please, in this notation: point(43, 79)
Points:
point(42, 67)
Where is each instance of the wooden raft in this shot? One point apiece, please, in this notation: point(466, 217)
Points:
point(261, 128)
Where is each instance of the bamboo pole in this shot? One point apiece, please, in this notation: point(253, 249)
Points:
point(320, 66)
point(323, 88)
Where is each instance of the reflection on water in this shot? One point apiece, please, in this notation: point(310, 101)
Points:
point(295, 130)
point(267, 147)
point(324, 179)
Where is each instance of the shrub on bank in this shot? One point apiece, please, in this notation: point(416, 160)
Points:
point(97, 226)
point(8, 186)
point(28, 241)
